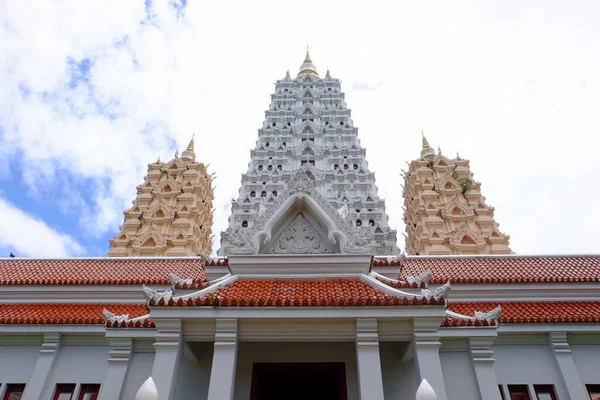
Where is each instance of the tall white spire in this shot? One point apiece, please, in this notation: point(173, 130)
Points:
point(308, 140)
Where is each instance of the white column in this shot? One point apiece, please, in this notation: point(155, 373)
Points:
point(566, 365)
point(119, 358)
point(370, 381)
point(168, 347)
point(483, 363)
point(427, 354)
point(39, 379)
point(222, 375)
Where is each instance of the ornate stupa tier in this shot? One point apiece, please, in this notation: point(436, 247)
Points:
point(308, 126)
point(172, 214)
point(444, 211)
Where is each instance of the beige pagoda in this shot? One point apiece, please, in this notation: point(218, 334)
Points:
point(172, 214)
point(444, 211)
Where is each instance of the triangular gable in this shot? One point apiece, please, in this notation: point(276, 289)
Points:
point(300, 196)
point(300, 237)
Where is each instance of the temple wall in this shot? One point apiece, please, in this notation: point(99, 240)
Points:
point(459, 375)
point(77, 364)
point(193, 376)
point(140, 368)
point(586, 358)
point(17, 363)
point(399, 377)
point(249, 353)
point(528, 364)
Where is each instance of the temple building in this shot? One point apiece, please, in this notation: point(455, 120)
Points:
point(444, 211)
point(172, 214)
point(309, 296)
point(308, 128)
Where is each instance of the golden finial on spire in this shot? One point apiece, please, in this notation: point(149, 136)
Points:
point(425, 142)
point(307, 58)
point(191, 145)
point(308, 67)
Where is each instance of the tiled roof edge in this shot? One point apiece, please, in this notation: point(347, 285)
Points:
point(496, 256)
point(195, 258)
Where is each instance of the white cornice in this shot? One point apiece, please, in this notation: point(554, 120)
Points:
point(90, 294)
point(202, 313)
point(507, 292)
point(547, 328)
point(60, 328)
point(300, 264)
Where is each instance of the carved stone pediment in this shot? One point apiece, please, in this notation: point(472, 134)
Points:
point(300, 237)
point(350, 238)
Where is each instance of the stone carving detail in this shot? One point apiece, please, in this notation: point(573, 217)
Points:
point(110, 317)
point(343, 210)
point(113, 319)
point(176, 280)
point(151, 294)
point(299, 238)
point(423, 278)
point(441, 292)
point(262, 209)
point(490, 315)
point(241, 240)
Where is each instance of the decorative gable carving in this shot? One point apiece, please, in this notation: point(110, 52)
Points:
point(299, 238)
point(352, 239)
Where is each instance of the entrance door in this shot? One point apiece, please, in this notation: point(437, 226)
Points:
point(298, 381)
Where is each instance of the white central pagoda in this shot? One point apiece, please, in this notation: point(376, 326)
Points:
point(308, 188)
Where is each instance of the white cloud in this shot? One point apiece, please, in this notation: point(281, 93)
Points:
point(29, 236)
point(462, 73)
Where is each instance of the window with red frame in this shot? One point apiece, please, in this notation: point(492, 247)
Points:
point(544, 392)
point(64, 391)
point(14, 392)
point(593, 391)
point(518, 392)
point(89, 392)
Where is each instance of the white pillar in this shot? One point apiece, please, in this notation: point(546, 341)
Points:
point(483, 363)
point(168, 347)
point(566, 366)
point(34, 389)
point(427, 353)
point(119, 358)
point(222, 374)
point(370, 381)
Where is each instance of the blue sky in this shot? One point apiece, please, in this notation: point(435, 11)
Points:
point(94, 91)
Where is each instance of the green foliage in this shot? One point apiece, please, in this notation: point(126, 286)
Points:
point(465, 183)
point(213, 301)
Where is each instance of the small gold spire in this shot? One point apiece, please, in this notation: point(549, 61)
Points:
point(191, 145)
point(307, 58)
point(425, 142)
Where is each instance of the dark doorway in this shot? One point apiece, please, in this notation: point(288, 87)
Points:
point(298, 381)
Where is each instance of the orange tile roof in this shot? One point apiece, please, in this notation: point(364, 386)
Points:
point(298, 293)
point(505, 269)
point(65, 313)
point(216, 262)
point(104, 271)
point(587, 312)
